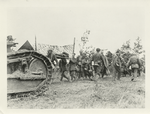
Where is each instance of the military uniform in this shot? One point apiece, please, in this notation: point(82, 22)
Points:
point(88, 70)
point(116, 63)
point(104, 66)
point(85, 66)
point(135, 65)
point(53, 58)
point(80, 66)
point(97, 59)
point(63, 66)
point(73, 68)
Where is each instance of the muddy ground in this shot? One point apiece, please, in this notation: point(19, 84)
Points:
point(104, 93)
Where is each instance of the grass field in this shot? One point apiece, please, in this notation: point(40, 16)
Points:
point(104, 93)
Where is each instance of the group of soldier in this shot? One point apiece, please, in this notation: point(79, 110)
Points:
point(133, 66)
point(92, 66)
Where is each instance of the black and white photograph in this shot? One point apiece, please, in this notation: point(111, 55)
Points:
point(75, 55)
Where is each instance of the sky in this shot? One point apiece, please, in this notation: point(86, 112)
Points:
point(110, 26)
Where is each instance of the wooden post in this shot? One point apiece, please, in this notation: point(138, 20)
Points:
point(73, 45)
point(35, 44)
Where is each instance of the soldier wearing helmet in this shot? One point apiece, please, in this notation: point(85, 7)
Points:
point(52, 57)
point(97, 59)
point(63, 65)
point(80, 64)
point(117, 65)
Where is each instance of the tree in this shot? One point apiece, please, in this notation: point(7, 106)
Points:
point(126, 46)
point(125, 51)
point(138, 48)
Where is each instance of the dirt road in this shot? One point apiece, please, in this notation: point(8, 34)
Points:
point(104, 93)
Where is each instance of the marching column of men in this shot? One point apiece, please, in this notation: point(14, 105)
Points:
point(95, 65)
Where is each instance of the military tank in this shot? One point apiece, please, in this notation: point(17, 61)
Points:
point(27, 71)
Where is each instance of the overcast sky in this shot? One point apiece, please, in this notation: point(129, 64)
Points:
point(110, 26)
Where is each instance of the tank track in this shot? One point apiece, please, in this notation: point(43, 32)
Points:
point(43, 86)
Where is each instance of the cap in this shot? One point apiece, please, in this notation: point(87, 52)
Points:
point(98, 49)
point(50, 50)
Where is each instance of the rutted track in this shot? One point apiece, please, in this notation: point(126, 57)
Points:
point(104, 93)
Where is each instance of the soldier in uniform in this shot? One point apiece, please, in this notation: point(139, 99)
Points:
point(85, 65)
point(72, 67)
point(88, 69)
point(97, 59)
point(135, 64)
point(117, 65)
point(52, 58)
point(63, 66)
point(80, 65)
point(103, 67)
